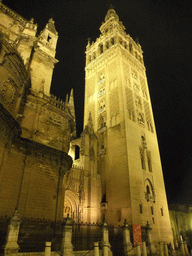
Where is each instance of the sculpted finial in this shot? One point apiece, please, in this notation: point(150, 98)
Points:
point(111, 6)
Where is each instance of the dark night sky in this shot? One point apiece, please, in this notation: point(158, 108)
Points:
point(164, 30)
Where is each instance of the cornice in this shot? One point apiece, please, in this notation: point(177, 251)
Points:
point(13, 14)
point(40, 152)
point(45, 55)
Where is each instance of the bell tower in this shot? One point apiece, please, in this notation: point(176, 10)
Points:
point(117, 96)
point(43, 59)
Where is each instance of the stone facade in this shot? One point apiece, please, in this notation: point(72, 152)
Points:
point(116, 172)
point(35, 126)
point(180, 217)
point(119, 142)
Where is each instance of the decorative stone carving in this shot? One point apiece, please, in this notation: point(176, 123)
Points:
point(8, 93)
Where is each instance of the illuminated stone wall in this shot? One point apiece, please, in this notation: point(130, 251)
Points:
point(128, 160)
point(35, 126)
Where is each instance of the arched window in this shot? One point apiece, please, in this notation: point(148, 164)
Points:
point(77, 151)
point(140, 118)
point(112, 41)
point(100, 49)
point(149, 161)
point(102, 106)
point(120, 41)
point(94, 55)
point(107, 45)
point(101, 91)
point(149, 191)
point(130, 47)
point(142, 156)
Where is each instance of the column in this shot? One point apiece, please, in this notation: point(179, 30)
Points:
point(151, 245)
point(144, 249)
point(66, 246)
point(127, 245)
point(138, 250)
point(185, 248)
point(166, 249)
point(161, 248)
point(47, 248)
point(182, 248)
point(105, 240)
point(96, 248)
point(11, 245)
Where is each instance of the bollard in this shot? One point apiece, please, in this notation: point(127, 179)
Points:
point(182, 248)
point(47, 248)
point(161, 248)
point(127, 245)
point(166, 249)
point(151, 246)
point(144, 249)
point(105, 249)
point(96, 248)
point(105, 241)
point(185, 248)
point(138, 250)
point(11, 245)
point(66, 246)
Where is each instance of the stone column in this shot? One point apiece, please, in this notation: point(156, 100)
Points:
point(66, 246)
point(161, 248)
point(105, 241)
point(144, 249)
point(185, 248)
point(151, 245)
point(96, 248)
point(11, 245)
point(127, 245)
point(182, 248)
point(47, 248)
point(166, 249)
point(138, 250)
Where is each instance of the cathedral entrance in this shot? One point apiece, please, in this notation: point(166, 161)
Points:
point(71, 205)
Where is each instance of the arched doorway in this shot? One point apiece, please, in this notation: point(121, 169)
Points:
point(71, 205)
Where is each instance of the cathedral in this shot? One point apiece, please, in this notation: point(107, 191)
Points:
point(111, 173)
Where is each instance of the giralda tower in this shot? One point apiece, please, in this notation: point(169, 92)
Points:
point(117, 99)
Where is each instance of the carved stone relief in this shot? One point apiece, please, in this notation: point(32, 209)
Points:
point(8, 93)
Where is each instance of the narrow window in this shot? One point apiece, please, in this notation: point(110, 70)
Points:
point(112, 41)
point(101, 48)
point(140, 208)
point(153, 219)
point(162, 214)
point(130, 47)
point(152, 210)
point(107, 45)
point(142, 158)
point(77, 150)
point(48, 38)
point(149, 161)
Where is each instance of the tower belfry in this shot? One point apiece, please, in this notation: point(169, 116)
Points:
point(117, 96)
